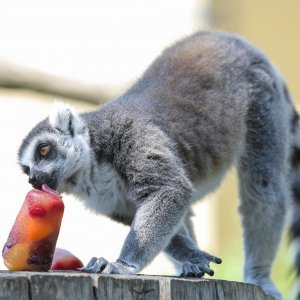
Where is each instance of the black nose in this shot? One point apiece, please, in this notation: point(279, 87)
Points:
point(33, 180)
point(38, 178)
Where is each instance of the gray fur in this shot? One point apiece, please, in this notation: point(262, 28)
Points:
point(208, 102)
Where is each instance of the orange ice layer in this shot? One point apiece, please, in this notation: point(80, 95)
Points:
point(32, 239)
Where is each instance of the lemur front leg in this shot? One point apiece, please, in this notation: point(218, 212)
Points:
point(161, 191)
point(194, 262)
point(182, 249)
point(157, 219)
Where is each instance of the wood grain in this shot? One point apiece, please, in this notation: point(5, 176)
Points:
point(82, 286)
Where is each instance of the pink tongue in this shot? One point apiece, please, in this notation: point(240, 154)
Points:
point(48, 189)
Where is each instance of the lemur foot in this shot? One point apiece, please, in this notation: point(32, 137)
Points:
point(101, 265)
point(267, 286)
point(200, 267)
point(95, 265)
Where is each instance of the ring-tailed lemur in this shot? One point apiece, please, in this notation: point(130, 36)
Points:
point(210, 101)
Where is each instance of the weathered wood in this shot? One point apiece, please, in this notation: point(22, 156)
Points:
point(127, 287)
point(20, 77)
point(67, 287)
point(82, 286)
point(14, 287)
point(215, 289)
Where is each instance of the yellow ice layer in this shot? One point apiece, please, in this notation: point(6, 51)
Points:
point(16, 258)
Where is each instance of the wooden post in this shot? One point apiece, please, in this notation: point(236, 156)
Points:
point(82, 286)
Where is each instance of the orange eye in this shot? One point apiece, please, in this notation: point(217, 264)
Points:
point(44, 150)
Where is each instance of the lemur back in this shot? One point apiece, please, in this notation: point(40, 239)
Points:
point(209, 102)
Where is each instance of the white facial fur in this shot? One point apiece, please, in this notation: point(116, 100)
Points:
point(75, 167)
point(70, 143)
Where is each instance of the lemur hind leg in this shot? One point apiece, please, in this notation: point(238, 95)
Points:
point(188, 259)
point(264, 189)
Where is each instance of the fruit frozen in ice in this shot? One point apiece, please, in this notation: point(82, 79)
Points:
point(32, 239)
point(65, 260)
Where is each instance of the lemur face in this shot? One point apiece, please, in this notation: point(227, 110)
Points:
point(55, 150)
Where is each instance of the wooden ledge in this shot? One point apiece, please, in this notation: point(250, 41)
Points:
point(82, 286)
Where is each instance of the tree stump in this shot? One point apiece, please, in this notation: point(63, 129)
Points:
point(82, 286)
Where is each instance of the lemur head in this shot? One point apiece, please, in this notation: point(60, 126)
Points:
point(56, 150)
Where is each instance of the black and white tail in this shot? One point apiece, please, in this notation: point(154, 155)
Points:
point(295, 190)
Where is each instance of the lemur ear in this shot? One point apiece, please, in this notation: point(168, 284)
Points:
point(66, 120)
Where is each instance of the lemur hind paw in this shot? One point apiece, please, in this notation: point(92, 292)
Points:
point(101, 265)
point(200, 267)
point(267, 286)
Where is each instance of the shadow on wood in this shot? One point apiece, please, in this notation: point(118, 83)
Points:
point(82, 286)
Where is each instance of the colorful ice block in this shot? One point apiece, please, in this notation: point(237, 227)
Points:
point(32, 239)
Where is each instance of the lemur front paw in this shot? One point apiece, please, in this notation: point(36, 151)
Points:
point(200, 267)
point(101, 265)
point(95, 265)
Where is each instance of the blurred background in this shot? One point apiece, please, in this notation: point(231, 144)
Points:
point(88, 52)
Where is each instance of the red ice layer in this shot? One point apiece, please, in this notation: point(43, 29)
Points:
point(65, 260)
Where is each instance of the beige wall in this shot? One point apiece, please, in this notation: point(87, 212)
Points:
point(272, 25)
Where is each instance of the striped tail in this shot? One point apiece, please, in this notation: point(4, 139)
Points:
point(295, 192)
